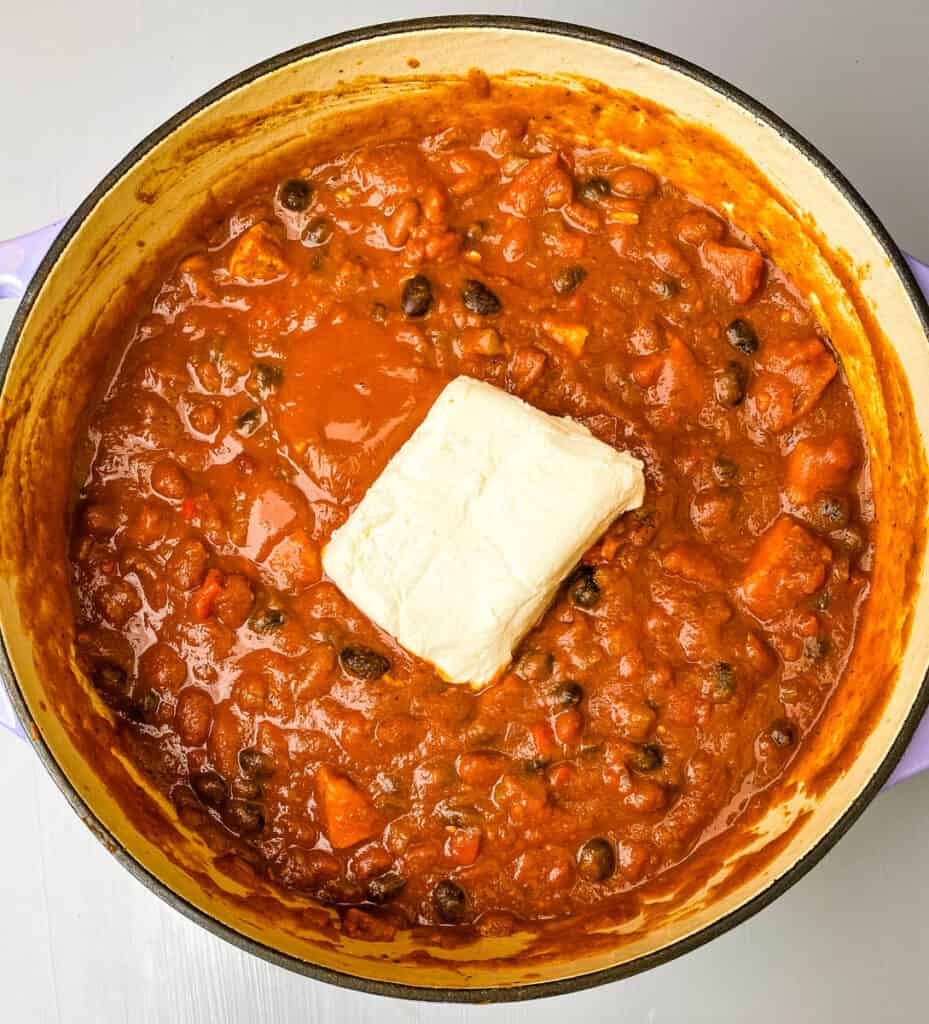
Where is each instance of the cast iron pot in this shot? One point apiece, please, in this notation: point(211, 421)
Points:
point(809, 214)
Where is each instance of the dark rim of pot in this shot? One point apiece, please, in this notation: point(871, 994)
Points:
point(528, 990)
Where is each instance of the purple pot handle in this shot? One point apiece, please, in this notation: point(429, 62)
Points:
point(19, 258)
point(916, 756)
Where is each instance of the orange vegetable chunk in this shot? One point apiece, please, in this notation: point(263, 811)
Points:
point(816, 466)
point(347, 813)
point(789, 563)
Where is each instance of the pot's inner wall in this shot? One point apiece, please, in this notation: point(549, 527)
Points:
point(67, 343)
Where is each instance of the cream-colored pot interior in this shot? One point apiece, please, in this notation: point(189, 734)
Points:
point(56, 360)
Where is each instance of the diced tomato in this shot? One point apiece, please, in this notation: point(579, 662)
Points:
point(737, 270)
point(815, 466)
point(204, 597)
point(188, 509)
point(463, 846)
point(789, 563)
point(347, 813)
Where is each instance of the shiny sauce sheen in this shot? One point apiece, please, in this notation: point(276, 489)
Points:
point(298, 342)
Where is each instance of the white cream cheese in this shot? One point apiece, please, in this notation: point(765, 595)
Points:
point(460, 544)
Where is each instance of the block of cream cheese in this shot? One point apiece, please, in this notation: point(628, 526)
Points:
point(460, 544)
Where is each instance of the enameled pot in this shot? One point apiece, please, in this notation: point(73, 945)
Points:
point(807, 216)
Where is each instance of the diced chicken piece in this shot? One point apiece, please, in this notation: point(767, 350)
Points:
point(294, 564)
point(737, 270)
point(816, 466)
point(572, 335)
point(791, 380)
point(348, 816)
point(789, 563)
point(674, 381)
point(695, 564)
point(542, 184)
point(257, 256)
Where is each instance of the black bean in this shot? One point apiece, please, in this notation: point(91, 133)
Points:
point(317, 232)
point(594, 189)
point(268, 376)
point(725, 470)
point(567, 279)
point(110, 679)
point(417, 296)
point(256, 763)
point(379, 312)
point(596, 860)
point(295, 194)
point(363, 663)
point(583, 588)
point(536, 764)
point(210, 787)
point(567, 694)
point(741, 335)
point(729, 385)
point(449, 901)
point(723, 682)
point(385, 887)
point(480, 299)
point(244, 817)
point(267, 620)
point(782, 734)
point(823, 601)
point(535, 665)
point(647, 758)
point(247, 422)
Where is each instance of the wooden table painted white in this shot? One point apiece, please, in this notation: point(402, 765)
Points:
point(80, 940)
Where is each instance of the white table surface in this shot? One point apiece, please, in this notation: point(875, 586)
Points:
point(80, 940)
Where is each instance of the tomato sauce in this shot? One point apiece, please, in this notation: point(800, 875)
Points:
point(284, 359)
